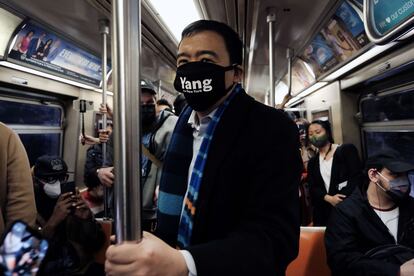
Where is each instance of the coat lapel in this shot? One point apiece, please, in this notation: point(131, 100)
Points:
point(225, 134)
point(334, 174)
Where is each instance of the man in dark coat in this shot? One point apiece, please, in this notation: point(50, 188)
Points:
point(229, 190)
point(376, 215)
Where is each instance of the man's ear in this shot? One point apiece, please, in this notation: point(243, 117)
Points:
point(373, 175)
point(238, 73)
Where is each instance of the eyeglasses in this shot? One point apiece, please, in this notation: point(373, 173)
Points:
point(53, 179)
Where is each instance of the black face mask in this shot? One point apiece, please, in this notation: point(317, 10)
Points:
point(148, 114)
point(202, 83)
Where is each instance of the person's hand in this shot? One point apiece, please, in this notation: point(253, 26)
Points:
point(334, 200)
point(88, 140)
point(62, 208)
point(106, 177)
point(407, 269)
point(104, 135)
point(82, 209)
point(150, 256)
point(106, 109)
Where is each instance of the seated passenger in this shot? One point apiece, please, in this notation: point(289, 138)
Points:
point(97, 175)
point(377, 214)
point(66, 221)
point(332, 174)
point(16, 188)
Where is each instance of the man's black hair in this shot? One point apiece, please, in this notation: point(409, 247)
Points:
point(232, 40)
point(164, 102)
point(325, 125)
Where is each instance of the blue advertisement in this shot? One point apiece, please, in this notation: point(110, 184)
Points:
point(352, 22)
point(390, 14)
point(46, 51)
point(320, 55)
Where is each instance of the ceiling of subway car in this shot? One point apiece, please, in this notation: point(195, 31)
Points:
point(296, 22)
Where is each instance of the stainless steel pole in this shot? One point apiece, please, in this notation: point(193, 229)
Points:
point(289, 55)
point(271, 18)
point(126, 47)
point(104, 31)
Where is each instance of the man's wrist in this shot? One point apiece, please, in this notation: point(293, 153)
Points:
point(189, 263)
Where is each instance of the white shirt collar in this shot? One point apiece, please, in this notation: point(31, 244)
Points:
point(194, 122)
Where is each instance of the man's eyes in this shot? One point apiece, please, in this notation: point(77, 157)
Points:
point(183, 61)
point(207, 60)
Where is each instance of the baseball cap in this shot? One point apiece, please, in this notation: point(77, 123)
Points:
point(390, 159)
point(148, 87)
point(47, 166)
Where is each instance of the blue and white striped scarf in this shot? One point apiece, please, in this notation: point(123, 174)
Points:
point(175, 172)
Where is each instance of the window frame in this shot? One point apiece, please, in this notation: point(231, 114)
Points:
point(38, 129)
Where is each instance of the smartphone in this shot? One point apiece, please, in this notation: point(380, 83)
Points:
point(68, 187)
point(22, 251)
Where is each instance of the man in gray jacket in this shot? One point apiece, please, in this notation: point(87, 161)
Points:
point(156, 135)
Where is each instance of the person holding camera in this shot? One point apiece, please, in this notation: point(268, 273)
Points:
point(65, 220)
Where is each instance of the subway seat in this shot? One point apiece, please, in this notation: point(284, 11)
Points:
point(311, 260)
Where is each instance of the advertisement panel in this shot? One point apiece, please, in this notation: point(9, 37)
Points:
point(340, 40)
point(388, 15)
point(36, 47)
point(352, 22)
point(301, 77)
point(319, 55)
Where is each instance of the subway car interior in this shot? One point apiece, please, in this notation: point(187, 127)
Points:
point(349, 62)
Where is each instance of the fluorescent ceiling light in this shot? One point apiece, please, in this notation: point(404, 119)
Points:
point(374, 51)
point(307, 91)
point(176, 14)
point(46, 75)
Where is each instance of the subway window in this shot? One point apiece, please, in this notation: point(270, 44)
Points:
point(38, 124)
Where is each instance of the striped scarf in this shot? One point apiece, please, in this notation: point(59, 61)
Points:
point(172, 228)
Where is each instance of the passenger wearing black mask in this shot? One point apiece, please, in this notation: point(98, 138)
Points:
point(156, 134)
point(332, 174)
point(157, 128)
point(372, 232)
point(229, 190)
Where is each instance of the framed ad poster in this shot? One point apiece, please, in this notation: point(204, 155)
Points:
point(322, 114)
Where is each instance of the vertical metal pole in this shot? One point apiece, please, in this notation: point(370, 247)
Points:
point(126, 47)
point(104, 31)
point(271, 18)
point(289, 56)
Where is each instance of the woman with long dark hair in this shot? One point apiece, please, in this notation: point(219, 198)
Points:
point(44, 49)
point(333, 173)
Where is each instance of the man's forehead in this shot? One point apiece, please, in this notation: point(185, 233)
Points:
point(202, 41)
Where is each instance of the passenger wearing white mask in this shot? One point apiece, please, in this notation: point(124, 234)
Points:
point(66, 221)
point(50, 173)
